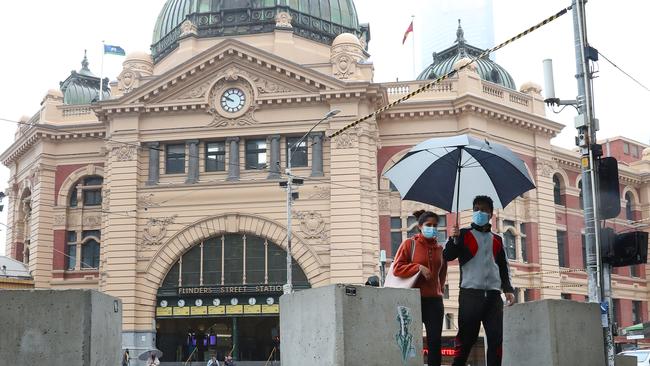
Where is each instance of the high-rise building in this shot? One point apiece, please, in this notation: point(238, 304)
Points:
point(435, 27)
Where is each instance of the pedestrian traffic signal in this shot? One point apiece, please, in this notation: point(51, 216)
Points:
point(626, 249)
point(609, 190)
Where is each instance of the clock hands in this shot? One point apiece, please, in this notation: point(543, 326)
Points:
point(229, 98)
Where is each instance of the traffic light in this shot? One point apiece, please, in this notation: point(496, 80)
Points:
point(626, 249)
point(608, 188)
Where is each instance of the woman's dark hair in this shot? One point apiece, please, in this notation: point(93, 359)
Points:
point(422, 216)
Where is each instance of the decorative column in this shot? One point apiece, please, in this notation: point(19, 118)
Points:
point(154, 163)
point(233, 162)
point(193, 168)
point(274, 167)
point(317, 154)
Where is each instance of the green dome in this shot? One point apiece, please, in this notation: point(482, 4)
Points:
point(443, 63)
point(82, 87)
point(320, 20)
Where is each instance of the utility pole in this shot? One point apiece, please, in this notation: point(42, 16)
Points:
point(587, 125)
point(291, 195)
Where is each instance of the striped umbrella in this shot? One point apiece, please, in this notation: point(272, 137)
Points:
point(431, 173)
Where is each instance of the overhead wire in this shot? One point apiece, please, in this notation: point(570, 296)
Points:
point(624, 72)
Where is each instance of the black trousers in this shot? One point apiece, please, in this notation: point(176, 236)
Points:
point(433, 312)
point(476, 307)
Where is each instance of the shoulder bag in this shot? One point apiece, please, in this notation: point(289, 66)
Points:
point(402, 282)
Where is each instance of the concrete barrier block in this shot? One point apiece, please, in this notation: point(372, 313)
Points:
point(60, 328)
point(553, 333)
point(343, 325)
point(622, 360)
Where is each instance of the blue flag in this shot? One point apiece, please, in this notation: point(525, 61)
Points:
point(114, 50)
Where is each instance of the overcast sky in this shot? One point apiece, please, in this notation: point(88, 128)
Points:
point(44, 40)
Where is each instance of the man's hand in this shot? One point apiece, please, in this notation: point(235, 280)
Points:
point(424, 271)
point(455, 232)
point(510, 299)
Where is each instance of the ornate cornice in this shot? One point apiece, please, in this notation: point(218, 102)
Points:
point(228, 49)
point(451, 107)
point(40, 132)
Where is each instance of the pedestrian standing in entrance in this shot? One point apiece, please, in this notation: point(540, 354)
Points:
point(213, 361)
point(484, 273)
point(126, 358)
point(426, 258)
point(229, 361)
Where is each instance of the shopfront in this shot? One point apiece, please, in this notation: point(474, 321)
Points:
point(222, 297)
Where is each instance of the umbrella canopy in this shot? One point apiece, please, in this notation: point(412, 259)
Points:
point(449, 172)
point(147, 354)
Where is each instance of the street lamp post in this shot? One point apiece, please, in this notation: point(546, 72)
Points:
point(288, 287)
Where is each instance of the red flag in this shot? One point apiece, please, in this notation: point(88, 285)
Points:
point(409, 30)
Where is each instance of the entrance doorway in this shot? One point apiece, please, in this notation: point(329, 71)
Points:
point(196, 340)
point(222, 297)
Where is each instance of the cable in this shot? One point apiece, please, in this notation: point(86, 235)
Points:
point(624, 72)
point(451, 73)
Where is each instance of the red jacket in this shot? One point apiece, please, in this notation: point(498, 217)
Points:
point(427, 253)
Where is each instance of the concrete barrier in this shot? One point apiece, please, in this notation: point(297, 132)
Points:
point(343, 325)
point(553, 333)
point(59, 328)
point(622, 360)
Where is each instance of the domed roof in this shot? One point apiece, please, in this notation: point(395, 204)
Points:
point(319, 20)
point(346, 38)
point(82, 87)
point(443, 62)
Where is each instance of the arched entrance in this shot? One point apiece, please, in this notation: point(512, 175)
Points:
point(221, 297)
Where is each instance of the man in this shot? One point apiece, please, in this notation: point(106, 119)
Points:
point(484, 274)
point(213, 361)
point(229, 361)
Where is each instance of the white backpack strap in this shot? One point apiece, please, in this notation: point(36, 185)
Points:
point(412, 249)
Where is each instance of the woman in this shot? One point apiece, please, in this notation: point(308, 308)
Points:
point(153, 360)
point(427, 260)
point(126, 358)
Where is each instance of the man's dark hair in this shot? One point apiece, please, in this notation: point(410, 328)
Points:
point(484, 200)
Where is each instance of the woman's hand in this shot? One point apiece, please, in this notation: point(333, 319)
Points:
point(510, 299)
point(425, 272)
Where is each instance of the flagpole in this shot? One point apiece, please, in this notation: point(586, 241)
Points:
point(413, 22)
point(101, 73)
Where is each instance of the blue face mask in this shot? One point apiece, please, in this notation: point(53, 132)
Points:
point(429, 232)
point(480, 218)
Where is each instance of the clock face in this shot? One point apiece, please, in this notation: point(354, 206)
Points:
point(163, 303)
point(216, 302)
point(181, 302)
point(234, 301)
point(198, 302)
point(270, 301)
point(233, 100)
point(252, 301)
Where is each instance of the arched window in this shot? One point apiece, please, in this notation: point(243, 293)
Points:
point(90, 254)
point(580, 197)
point(557, 190)
point(629, 213)
point(91, 191)
point(510, 245)
point(233, 259)
point(392, 187)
